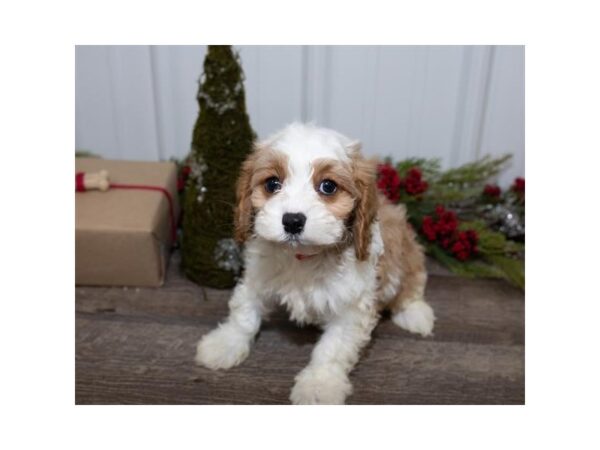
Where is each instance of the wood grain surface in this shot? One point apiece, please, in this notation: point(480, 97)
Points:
point(136, 346)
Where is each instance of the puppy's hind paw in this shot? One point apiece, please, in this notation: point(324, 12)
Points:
point(417, 317)
point(223, 348)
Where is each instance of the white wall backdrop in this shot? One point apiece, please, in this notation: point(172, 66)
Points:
point(456, 103)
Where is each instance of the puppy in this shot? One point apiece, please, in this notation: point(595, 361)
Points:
point(320, 241)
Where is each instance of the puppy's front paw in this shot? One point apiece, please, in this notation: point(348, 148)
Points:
point(321, 386)
point(417, 317)
point(223, 348)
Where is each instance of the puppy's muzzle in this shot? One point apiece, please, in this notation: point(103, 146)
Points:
point(293, 223)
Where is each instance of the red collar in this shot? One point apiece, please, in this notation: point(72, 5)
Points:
point(300, 256)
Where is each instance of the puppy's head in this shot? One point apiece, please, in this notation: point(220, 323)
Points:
point(307, 186)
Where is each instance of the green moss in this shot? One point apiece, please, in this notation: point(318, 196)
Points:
point(222, 138)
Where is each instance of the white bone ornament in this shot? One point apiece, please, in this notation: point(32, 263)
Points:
point(96, 180)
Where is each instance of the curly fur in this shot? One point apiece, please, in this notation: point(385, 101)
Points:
point(355, 256)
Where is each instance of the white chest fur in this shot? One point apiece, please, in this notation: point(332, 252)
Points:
point(315, 289)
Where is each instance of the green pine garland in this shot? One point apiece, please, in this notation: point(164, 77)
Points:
point(460, 190)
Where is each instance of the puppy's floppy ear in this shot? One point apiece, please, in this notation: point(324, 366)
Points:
point(243, 210)
point(364, 173)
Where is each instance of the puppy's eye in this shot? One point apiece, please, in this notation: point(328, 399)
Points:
point(272, 185)
point(327, 187)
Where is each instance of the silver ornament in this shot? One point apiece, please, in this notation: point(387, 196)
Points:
point(506, 220)
point(228, 255)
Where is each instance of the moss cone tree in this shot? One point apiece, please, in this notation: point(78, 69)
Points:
point(222, 139)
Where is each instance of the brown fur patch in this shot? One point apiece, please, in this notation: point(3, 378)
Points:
point(262, 164)
point(364, 176)
point(403, 258)
point(341, 203)
point(341, 207)
point(269, 163)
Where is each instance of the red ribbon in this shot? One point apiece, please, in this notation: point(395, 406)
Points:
point(158, 189)
point(80, 187)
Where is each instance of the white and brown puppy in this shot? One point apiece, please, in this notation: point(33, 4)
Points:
point(321, 241)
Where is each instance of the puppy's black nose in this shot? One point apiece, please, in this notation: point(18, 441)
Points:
point(293, 222)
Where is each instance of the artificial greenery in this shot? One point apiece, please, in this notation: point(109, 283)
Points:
point(85, 154)
point(460, 187)
point(222, 138)
point(460, 191)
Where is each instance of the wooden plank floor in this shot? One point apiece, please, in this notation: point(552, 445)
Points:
point(136, 346)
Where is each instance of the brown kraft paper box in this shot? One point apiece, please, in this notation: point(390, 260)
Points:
point(123, 236)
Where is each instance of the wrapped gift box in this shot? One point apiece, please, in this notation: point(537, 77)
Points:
point(123, 236)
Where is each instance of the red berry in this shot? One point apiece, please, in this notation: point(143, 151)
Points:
point(388, 182)
point(519, 185)
point(492, 190)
